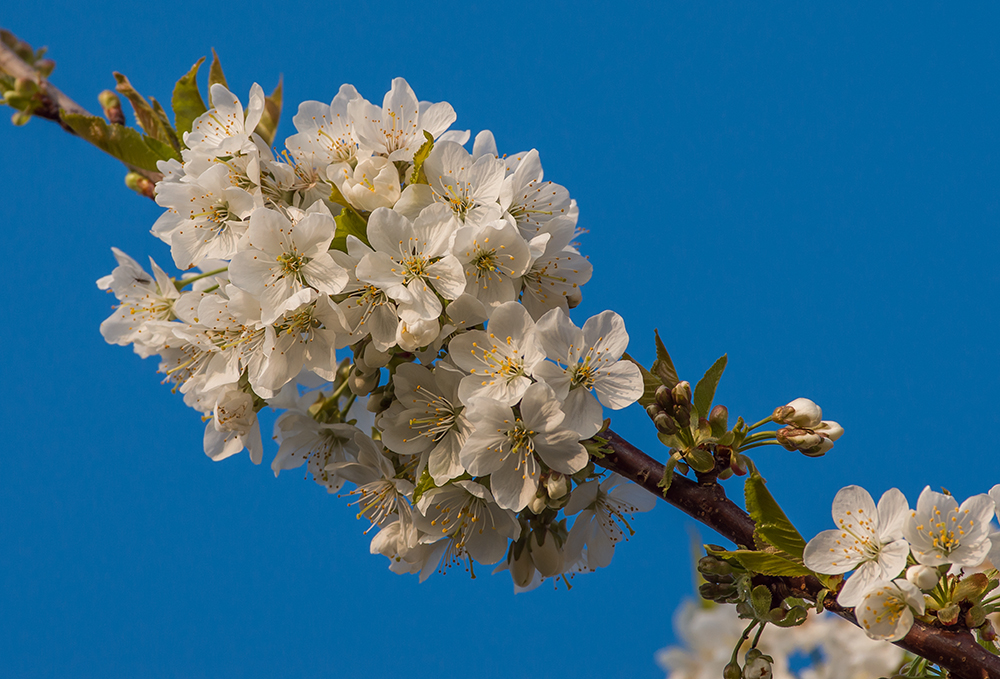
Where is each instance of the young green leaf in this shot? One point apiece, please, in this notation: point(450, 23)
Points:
point(186, 100)
point(424, 484)
point(704, 391)
point(765, 563)
point(215, 75)
point(268, 125)
point(144, 114)
point(663, 367)
point(649, 383)
point(163, 151)
point(161, 115)
point(773, 527)
point(418, 176)
point(122, 142)
point(349, 223)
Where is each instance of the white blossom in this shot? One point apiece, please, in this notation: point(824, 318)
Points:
point(941, 532)
point(886, 611)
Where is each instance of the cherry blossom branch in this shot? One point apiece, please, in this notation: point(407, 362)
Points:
point(53, 102)
point(707, 502)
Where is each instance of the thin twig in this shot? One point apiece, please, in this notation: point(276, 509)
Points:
point(955, 651)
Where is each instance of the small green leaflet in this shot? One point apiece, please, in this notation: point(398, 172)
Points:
point(663, 367)
point(704, 391)
point(215, 75)
point(186, 100)
point(418, 176)
point(424, 484)
point(349, 223)
point(144, 114)
point(122, 142)
point(773, 527)
point(649, 383)
point(268, 125)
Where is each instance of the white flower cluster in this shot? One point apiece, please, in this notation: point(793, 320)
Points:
point(835, 648)
point(449, 275)
point(941, 538)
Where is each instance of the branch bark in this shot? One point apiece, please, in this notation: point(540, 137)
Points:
point(707, 502)
point(54, 101)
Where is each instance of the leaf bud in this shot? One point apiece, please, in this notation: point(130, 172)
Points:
point(975, 616)
point(922, 577)
point(139, 184)
point(719, 417)
point(664, 423)
point(20, 118)
point(681, 393)
point(25, 87)
point(949, 614)
point(801, 412)
point(663, 398)
point(112, 106)
point(732, 671)
point(45, 67)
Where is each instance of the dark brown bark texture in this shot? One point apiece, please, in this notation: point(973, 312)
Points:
point(957, 652)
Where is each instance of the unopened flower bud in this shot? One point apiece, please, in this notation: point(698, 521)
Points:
point(988, 632)
point(732, 671)
point(112, 106)
point(922, 577)
point(719, 417)
point(139, 184)
point(829, 429)
point(663, 398)
point(819, 450)
point(664, 423)
point(949, 614)
point(758, 668)
point(545, 553)
point(797, 439)
point(653, 410)
point(537, 504)
point(682, 413)
point(556, 485)
point(681, 393)
point(711, 565)
point(522, 569)
point(361, 384)
point(801, 412)
point(975, 616)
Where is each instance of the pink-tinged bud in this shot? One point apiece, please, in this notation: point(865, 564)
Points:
point(922, 577)
point(547, 556)
point(522, 570)
point(556, 485)
point(719, 416)
point(801, 413)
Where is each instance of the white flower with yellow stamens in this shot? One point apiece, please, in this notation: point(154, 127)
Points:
point(868, 538)
point(557, 270)
point(495, 256)
point(603, 508)
point(225, 129)
point(499, 358)
point(325, 132)
point(396, 128)
point(509, 448)
point(533, 202)
point(584, 367)
point(886, 611)
point(941, 532)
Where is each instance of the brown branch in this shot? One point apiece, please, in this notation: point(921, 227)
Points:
point(956, 651)
point(53, 102)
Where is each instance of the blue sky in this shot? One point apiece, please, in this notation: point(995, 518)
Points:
point(812, 190)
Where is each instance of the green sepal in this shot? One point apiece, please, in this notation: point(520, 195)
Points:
point(161, 115)
point(215, 76)
point(761, 600)
point(663, 367)
point(793, 617)
point(186, 100)
point(349, 223)
point(765, 563)
point(700, 460)
point(772, 526)
point(268, 125)
point(704, 391)
point(649, 383)
point(418, 176)
point(144, 114)
point(424, 484)
point(124, 143)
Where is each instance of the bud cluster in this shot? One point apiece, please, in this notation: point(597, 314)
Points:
point(807, 431)
point(672, 409)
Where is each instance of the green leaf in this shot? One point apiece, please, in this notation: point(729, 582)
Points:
point(761, 600)
point(215, 75)
point(704, 391)
point(186, 100)
point(268, 125)
point(163, 151)
point(161, 115)
point(122, 142)
point(349, 223)
point(663, 367)
point(765, 563)
point(144, 114)
point(424, 484)
point(418, 176)
point(773, 527)
point(649, 383)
